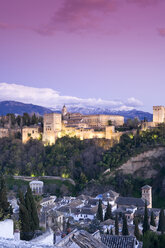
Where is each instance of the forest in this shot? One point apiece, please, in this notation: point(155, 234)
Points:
point(73, 158)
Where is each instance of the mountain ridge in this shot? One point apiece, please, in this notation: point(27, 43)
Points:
point(20, 108)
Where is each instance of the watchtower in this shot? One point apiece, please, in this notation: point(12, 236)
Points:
point(147, 194)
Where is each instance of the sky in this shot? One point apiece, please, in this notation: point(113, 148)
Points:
point(89, 52)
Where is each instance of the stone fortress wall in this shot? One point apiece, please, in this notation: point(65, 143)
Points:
point(159, 114)
point(58, 125)
point(81, 126)
point(158, 118)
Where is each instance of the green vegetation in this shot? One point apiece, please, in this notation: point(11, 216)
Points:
point(125, 227)
point(146, 226)
point(132, 145)
point(83, 161)
point(152, 222)
point(28, 216)
point(25, 120)
point(116, 225)
point(136, 231)
point(153, 240)
point(99, 214)
point(108, 213)
point(5, 209)
point(161, 224)
point(69, 156)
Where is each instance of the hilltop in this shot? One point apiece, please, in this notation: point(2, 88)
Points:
point(20, 108)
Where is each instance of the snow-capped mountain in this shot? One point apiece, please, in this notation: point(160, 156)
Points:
point(20, 108)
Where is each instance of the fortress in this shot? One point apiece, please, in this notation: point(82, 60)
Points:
point(57, 125)
point(159, 114)
point(158, 118)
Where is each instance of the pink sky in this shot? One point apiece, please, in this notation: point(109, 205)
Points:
point(109, 49)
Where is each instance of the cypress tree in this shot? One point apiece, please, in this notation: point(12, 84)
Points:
point(125, 227)
point(28, 207)
point(26, 233)
point(25, 229)
point(136, 230)
point(32, 210)
point(111, 233)
point(116, 225)
point(146, 226)
point(28, 215)
point(5, 207)
point(152, 222)
point(108, 213)
point(100, 211)
point(161, 224)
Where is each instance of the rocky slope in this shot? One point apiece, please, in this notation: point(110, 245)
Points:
point(145, 165)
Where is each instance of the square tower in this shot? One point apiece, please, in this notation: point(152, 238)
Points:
point(158, 114)
point(147, 194)
point(52, 126)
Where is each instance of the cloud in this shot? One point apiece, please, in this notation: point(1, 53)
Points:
point(144, 3)
point(161, 32)
point(50, 98)
point(79, 16)
point(5, 26)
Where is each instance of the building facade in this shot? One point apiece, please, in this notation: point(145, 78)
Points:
point(32, 132)
point(147, 195)
point(158, 114)
point(37, 187)
point(52, 126)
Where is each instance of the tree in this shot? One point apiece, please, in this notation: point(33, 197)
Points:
point(32, 210)
point(111, 233)
point(116, 225)
point(136, 230)
point(25, 232)
point(161, 224)
point(110, 123)
point(125, 227)
point(100, 211)
point(108, 213)
point(28, 215)
point(152, 221)
point(94, 226)
point(5, 207)
point(146, 226)
point(150, 240)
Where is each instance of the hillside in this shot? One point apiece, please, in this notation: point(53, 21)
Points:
point(143, 165)
point(20, 108)
point(145, 168)
point(137, 160)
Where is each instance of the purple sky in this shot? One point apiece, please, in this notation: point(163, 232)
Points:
point(103, 49)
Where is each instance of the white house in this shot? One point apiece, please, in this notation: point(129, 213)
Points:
point(48, 201)
point(7, 229)
point(36, 187)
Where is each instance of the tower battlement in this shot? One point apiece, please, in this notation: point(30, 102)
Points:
point(158, 114)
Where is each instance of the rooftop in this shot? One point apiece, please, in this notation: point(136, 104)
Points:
point(146, 187)
point(127, 201)
point(118, 241)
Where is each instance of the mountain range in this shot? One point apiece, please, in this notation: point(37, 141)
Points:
point(20, 108)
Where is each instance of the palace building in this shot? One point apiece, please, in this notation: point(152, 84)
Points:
point(57, 125)
point(82, 126)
